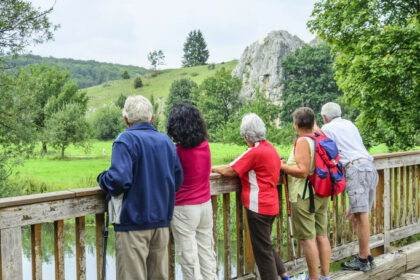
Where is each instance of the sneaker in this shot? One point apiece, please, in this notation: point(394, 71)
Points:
point(356, 264)
point(372, 263)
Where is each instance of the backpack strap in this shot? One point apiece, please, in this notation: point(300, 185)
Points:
point(332, 183)
point(308, 185)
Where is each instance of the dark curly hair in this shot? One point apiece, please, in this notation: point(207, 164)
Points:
point(186, 125)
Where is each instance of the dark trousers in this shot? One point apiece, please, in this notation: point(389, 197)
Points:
point(269, 262)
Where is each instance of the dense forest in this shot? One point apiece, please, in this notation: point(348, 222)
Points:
point(85, 73)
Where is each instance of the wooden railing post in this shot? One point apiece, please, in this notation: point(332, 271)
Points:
point(387, 210)
point(239, 236)
point(215, 233)
point(80, 248)
point(59, 249)
point(11, 253)
point(227, 235)
point(249, 255)
point(36, 249)
point(378, 211)
point(100, 227)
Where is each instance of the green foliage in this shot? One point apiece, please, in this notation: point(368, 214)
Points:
point(308, 81)
point(107, 123)
point(156, 110)
point(50, 89)
point(211, 66)
point(85, 73)
point(156, 58)
point(121, 101)
point(125, 75)
point(217, 99)
point(181, 91)
point(267, 111)
point(68, 126)
point(17, 129)
point(376, 46)
point(21, 25)
point(195, 50)
point(138, 83)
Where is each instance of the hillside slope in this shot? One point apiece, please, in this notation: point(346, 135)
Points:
point(108, 92)
point(85, 73)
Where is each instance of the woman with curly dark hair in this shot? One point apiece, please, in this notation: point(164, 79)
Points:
point(192, 223)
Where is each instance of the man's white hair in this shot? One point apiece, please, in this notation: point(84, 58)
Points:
point(253, 128)
point(331, 110)
point(137, 109)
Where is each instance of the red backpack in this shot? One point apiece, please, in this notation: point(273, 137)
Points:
point(328, 178)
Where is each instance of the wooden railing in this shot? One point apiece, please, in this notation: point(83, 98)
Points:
point(395, 215)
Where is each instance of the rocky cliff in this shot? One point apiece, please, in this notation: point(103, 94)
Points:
point(260, 64)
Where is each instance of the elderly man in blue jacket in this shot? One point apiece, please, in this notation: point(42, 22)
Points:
point(144, 175)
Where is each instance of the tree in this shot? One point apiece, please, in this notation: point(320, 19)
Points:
point(376, 47)
point(68, 126)
point(195, 50)
point(217, 99)
point(107, 123)
point(138, 82)
point(17, 130)
point(21, 25)
point(125, 75)
point(260, 105)
point(308, 80)
point(51, 89)
point(156, 58)
point(180, 91)
point(121, 101)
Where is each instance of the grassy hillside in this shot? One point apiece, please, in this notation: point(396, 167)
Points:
point(85, 73)
point(108, 92)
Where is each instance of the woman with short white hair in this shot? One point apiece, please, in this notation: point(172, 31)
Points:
point(259, 171)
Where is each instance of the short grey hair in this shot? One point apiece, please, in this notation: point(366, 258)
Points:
point(331, 110)
point(253, 128)
point(137, 109)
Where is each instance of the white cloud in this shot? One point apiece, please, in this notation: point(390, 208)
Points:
point(125, 31)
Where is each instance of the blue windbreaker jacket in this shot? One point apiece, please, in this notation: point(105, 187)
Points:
point(144, 175)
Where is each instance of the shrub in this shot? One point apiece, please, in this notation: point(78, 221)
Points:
point(107, 123)
point(121, 101)
point(125, 75)
point(211, 66)
point(153, 74)
point(138, 82)
point(180, 91)
point(194, 74)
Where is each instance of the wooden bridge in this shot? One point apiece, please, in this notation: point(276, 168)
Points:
point(395, 216)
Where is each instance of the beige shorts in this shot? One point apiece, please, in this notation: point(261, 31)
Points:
point(307, 225)
point(361, 182)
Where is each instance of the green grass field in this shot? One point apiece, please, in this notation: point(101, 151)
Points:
point(80, 167)
point(108, 92)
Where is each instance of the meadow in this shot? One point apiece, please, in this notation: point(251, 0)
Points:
point(80, 166)
point(157, 84)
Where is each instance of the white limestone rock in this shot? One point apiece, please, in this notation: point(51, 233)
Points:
point(260, 64)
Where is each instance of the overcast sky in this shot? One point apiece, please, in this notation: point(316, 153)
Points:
point(125, 31)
